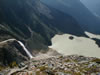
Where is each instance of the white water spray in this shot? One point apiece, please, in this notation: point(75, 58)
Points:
point(25, 49)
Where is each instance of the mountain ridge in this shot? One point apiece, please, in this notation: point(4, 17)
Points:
point(28, 19)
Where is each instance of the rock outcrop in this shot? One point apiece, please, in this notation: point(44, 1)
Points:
point(11, 51)
point(63, 65)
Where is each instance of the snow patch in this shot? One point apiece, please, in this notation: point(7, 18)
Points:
point(78, 45)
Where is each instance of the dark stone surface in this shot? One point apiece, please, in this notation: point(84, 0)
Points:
point(71, 37)
point(10, 53)
point(97, 41)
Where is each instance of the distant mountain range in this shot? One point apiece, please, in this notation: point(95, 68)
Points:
point(87, 19)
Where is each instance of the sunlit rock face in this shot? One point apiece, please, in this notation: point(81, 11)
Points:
point(69, 44)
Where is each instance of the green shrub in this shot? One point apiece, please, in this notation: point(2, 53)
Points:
point(13, 64)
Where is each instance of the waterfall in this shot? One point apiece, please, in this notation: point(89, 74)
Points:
point(25, 49)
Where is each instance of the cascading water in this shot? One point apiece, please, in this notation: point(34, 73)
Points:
point(25, 49)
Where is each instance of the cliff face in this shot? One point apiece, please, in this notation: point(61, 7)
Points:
point(34, 23)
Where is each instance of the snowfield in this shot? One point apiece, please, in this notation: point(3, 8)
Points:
point(68, 44)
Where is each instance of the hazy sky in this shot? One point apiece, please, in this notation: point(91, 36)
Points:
point(93, 5)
